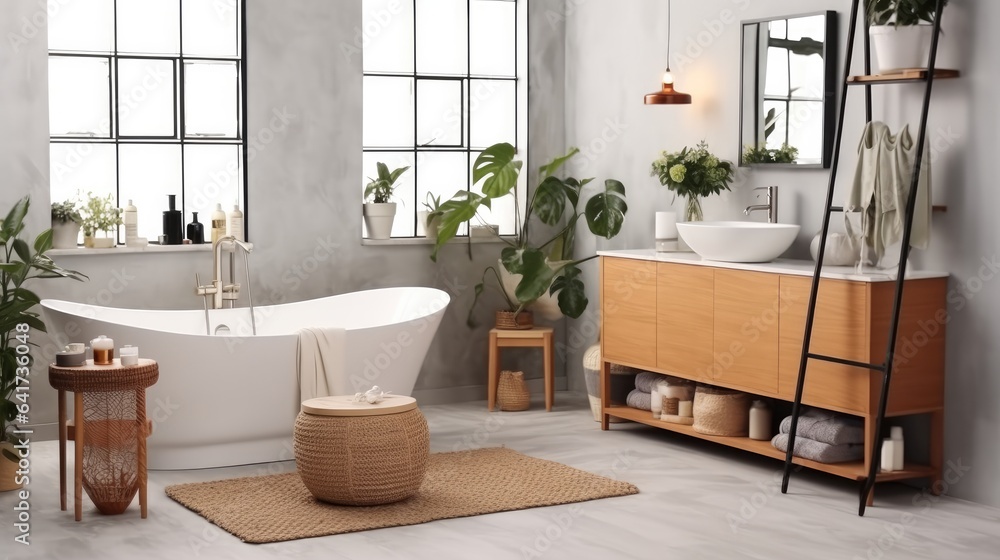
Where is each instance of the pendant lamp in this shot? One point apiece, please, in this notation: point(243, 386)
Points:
point(668, 95)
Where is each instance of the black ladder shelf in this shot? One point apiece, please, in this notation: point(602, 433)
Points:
point(927, 76)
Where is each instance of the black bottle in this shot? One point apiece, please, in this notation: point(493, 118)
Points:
point(173, 223)
point(196, 231)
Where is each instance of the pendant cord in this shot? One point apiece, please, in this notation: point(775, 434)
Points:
point(670, 21)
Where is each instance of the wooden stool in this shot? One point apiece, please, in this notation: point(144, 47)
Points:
point(538, 337)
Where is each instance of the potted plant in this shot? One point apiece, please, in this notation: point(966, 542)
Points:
point(761, 154)
point(693, 173)
point(20, 263)
point(378, 211)
point(535, 264)
point(901, 32)
point(100, 215)
point(431, 218)
point(66, 220)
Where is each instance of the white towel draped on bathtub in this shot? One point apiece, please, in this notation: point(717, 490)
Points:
point(320, 355)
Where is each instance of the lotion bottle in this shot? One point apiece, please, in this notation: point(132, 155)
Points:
point(760, 421)
point(130, 217)
point(235, 227)
point(218, 223)
point(896, 435)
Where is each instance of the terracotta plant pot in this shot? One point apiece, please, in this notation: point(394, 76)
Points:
point(508, 320)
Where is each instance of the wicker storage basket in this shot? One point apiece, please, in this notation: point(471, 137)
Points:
point(721, 412)
point(512, 392)
point(622, 382)
point(508, 320)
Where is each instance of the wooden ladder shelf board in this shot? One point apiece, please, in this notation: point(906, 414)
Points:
point(907, 75)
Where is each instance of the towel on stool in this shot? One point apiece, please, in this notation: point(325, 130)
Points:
point(320, 361)
point(640, 399)
point(819, 451)
point(826, 427)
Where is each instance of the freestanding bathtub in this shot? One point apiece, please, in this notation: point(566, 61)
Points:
point(231, 398)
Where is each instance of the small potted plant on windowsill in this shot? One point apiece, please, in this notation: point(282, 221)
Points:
point(100, 216)
point(378, 211)
point(901, 32)
point(431, 218)
point(66, 222)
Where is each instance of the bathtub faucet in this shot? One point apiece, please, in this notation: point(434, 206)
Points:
point(219, 292)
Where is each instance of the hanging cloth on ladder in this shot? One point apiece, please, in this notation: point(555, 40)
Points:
point(881, 187)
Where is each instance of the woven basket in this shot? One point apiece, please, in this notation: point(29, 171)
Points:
point(508, 320)
point(721, 412)
point(512, 392)
point(8, 470)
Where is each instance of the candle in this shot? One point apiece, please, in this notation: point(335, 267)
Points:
point(129, 355)
point(685, 409)
point(104, 350)
point(666, 225)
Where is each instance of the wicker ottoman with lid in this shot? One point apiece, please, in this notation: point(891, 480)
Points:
point(360, 454)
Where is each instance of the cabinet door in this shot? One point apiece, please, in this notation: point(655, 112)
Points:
point(685, 319)
point(746, 330)
point(839, 330)
point(628, 306)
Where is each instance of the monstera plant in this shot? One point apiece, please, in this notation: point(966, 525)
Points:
point(542, 261)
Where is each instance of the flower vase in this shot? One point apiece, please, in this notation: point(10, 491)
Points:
point(692, 212)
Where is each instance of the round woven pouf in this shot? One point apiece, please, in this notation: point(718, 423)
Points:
point(360, 454)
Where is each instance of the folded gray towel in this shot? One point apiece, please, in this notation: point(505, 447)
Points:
point(826, 427)
point(646, 380)
point(819, 451)
point(640, 399)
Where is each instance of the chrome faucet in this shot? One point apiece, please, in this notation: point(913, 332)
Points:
point(220, 292)
point(771, 206)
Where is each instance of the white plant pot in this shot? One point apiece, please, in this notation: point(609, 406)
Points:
point(100, 242)
point(378, 219)
point(546, 306)
point(899, 48)
point(65, 235)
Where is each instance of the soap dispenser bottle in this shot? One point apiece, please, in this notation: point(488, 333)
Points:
point(218, 223)
point(173, 223)
point(130, 217)
point(196, 231)
point(236, 223)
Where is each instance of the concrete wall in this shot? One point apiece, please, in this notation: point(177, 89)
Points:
point(615, 54)
point(303, 185)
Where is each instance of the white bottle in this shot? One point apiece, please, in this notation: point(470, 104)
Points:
point(218, 223)
point(897, 448)
point(760, 421)
point(130, 217)
point(888, 453)
point(236, 222)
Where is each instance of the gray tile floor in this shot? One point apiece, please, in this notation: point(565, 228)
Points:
point(697, 500)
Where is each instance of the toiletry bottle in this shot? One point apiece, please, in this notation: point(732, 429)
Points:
point(896, 434)
point(173, 222)
point(218, 223)
point(130, 217)
point(236, 222)
point(760, 421)
point(196, 231)
point(888, 452)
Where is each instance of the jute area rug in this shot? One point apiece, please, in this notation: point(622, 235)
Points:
point(277, 508)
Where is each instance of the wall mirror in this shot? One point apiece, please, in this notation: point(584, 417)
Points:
point(788, 87)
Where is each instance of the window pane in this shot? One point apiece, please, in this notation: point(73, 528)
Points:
point(81, 167)
point(492, 31)
point(443, 174)
point(442, 37)
point(386, 37)
point(805, 128)
point(776, 77)
point(145, 97)
point(82, 25)
point(149, 26)
point(405, 223)
point(439, 113)
point(211, 28)
point(211, 95)
point(493, 110)
point(79, 97)
point(147, 173)
point(212, 175)
point(388, 112)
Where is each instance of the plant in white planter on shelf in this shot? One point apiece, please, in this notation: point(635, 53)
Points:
point(431, 218)
point(378, 211)
point(901, 32)
point(100, 215)
point(66, 220)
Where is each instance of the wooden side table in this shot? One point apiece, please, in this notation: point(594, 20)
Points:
point(103, 397)
point(538, 337)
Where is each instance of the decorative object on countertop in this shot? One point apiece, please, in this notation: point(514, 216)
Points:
point(535, 273)
point(173, 222)
point(694, 174)
point(666, 235)
point(512, 392)
point(760, 421)
point(99, 216)
point(195, 230)
point(379, 213)
point(234, 223)
point(622, 381)
point(901, 32)
point(721, 412)
point(66, 220)
point(375, 395)
point(667, 94)
point(104, 350)
point(762, 154)
point(19, 325)
point(881, 187)
point(841, 249)
point(218, 223)
point(129, 355)
point(819, 451)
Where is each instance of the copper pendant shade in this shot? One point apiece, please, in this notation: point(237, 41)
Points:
point(667, 94)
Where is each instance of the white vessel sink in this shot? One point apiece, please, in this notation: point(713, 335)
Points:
point(744, 242)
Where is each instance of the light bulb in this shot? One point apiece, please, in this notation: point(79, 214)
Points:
point(668, 77)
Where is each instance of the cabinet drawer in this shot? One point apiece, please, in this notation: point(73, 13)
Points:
point(628, 307)
point(746, 330)
point(685, 324)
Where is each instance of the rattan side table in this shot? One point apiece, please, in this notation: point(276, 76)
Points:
point(109, 431)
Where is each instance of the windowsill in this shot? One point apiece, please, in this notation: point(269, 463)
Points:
point(427, 241)
point(123, 250)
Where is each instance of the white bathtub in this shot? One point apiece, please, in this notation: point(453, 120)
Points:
point(232, 400)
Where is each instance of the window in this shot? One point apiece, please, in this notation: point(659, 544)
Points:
point(443, 79)
point(146, 99)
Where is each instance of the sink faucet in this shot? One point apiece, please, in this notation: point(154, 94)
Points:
point(771, 206)
point(222, 292)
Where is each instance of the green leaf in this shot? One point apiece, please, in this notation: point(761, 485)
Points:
point(24, 294)
point(22, 250)
point(14, 222)
point(43, 242)
point(395, 174)
point(454, 212)
point(553, 166)
point(383, 171)
point(499, 169)
point(512, 259)
point(537, 277)
point(606, 211)
point(549, 202)
point(572, 292)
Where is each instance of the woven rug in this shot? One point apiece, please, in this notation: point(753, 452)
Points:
point(276, 508)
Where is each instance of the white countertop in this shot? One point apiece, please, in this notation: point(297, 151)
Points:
point(778, 266)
